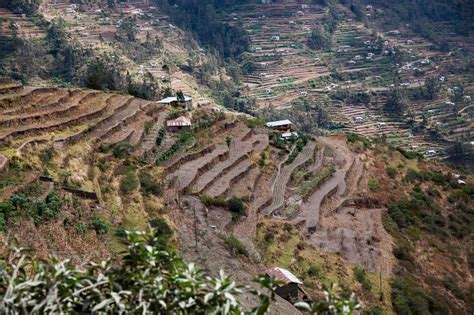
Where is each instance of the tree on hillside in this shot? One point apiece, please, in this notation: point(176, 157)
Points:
point(431, 88)
point(396, 102)
point(180, 96)
point(28, 7)
point(127, 30)
point(319, 39)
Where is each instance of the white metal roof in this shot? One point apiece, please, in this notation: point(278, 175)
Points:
point(181, 121)
point(283, 275)
point(278, 123)
point(172, 99)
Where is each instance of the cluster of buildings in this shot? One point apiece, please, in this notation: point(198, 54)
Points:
point(182, 122)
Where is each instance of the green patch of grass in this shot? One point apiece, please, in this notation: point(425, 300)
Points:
point(353, 138)
point(128, 182)
point(236, 246)
point(373, 184)
point(183, 140)
point(254, 122)
point(100, 226)
point(361, 276)
point(148, 186)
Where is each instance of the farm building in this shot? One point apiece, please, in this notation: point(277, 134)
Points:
point(280, 125)
point(291, 289)
point(173, 101)
point(179, 123)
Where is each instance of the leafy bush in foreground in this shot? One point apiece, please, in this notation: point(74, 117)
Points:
point(145, 280)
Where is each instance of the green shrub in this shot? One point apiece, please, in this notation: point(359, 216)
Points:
point(81, 228)
point(147, 186)
point(184, 138)
point(128, 182)
point(254, 122)
point(236, 205)
point(34, 189)
point(374, 310)
point(163, 233)
point(160, 136)
point(315, 271)
point(353, 138)
point(209, 201)
point(236, 246)
point(268, 237)
point(373, 184)
point(121, 150)
point(46, 155)
point(121, 232)
point(147, 126)
point(100, 226)
point(235, 216)
point(411, 155)
point(403, 253)
point(8, 212)
point(300, 144)
point(391, 172)
point(361, 277)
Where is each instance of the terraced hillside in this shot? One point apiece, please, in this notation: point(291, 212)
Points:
point(354, 78)
point(98, 28)
point(57, 116)
point(235, 198)
point(19, 25)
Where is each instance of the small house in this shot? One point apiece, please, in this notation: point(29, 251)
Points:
point(186, 103)
point(431, 153)
point(275, 38)
point(359, 119)
point(461, 182)
point(280, 125)
point(291, 289)
point(180, 123)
